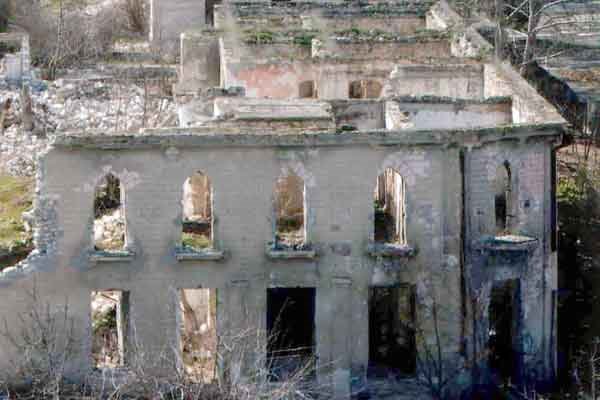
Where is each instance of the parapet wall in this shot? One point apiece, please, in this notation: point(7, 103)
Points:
point(528, 105)
point(401, 49)
point(169, 18)
point(406, 113)
point(17, 67)
point(455, 81)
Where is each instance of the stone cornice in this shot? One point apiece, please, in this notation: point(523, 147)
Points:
point(210, 137)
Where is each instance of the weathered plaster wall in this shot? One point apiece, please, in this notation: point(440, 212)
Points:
point(282, 79)
point(278, 17)
point(384, 50)
point(169, 18)
point(240, 107)
point(200, 61)
point(528, 105)
point(535, 269)
point(457, 81)
point(401, 114)
point(340, 214)
point(17, 66)
point(339, 195)
point(404, 25)
point(362, 114)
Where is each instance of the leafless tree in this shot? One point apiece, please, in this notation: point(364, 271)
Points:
point(44, 342)
point(533, 18)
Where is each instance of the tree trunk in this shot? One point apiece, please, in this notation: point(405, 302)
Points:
point(499, 39)
point(530, 43)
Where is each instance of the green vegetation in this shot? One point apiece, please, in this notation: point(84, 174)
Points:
point(104, 321)
point(195, 241)
point(304, 39)
point(259, 37)
point(420, 35)
point(4, 15)
point(16, 196)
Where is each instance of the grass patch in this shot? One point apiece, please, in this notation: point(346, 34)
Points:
point(16, 197)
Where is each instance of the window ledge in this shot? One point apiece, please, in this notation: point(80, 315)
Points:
point(506, 243)
point(187, 254)
point(117, 256)
point(390, 250)
point(283, 253)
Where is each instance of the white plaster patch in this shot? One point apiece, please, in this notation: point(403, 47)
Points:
point(128, 179)
point(411, 165)
point(297, 167)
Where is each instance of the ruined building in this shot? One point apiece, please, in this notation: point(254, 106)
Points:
point(361, 183)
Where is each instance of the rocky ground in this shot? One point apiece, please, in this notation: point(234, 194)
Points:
point(109, 231)
point(90, 101)
point(76, 105)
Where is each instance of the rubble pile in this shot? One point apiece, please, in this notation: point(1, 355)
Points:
point(109, 231)
point(81, 105)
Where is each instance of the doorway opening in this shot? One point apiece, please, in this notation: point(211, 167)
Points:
point(290, 330)
point(392, 346)
point(503, 336)
point(198, 333)
point(110, 325)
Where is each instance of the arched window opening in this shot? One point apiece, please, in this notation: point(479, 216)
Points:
point(502, 198)
point(307, 90)
point(364, 89)
point(390, 208)
point(355, 90)
point(109, 215)
point(290, 212)
point(197, 224)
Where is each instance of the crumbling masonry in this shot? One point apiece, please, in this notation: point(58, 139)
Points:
point(422, 213)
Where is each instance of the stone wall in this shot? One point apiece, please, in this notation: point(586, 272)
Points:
point(534, 268)
point(455, 81)
point(200, 61)
point(528, 105)
point(16, 67)
point(445, 113)
point(282, 79)
point(407, 49)
point(340, 215)
point(169, 18)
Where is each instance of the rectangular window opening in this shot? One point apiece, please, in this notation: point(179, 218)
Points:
point(390, 208)
point(290, 331)
point(392, 345)
point(110, 325)
point(290, 213)
point(109, 215)
point(197, 224)
point(198, 333)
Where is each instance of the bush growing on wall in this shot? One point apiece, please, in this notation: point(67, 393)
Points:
point(65, 35)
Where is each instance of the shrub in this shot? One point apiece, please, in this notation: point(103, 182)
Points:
point(66, 36)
